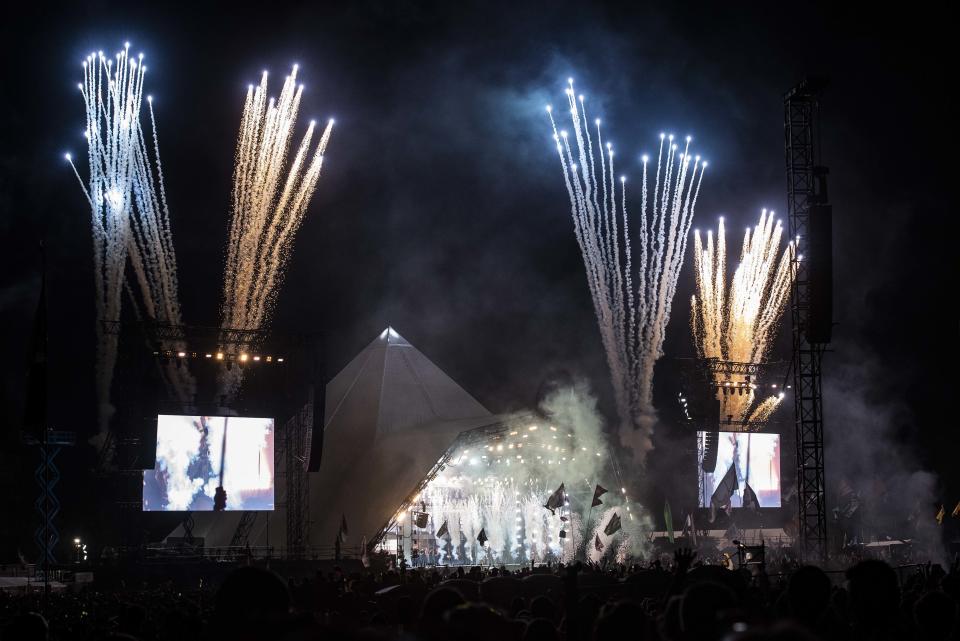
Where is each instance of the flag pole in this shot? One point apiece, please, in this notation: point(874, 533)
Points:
point(45, 447)
point(589, 529)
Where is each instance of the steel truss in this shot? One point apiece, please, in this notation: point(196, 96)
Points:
point(801, 110)
point(47, 475)
point(295, 456)
point(703, 377)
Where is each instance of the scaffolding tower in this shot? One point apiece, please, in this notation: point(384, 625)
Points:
point(806, 190)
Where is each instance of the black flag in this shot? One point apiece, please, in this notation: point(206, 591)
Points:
point(35, 420)
point(421, 519)
point(597, 493)
point(443, 531)
point(555, 500)
point(597, 543)
point(725, 489)
point(613, 526)
point(750, 500)
point(563, 534)
point(482, 537)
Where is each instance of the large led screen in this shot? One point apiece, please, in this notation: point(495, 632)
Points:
point(743, 458)
point(198, 454)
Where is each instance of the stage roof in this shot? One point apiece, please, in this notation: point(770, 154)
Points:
point(391, 414)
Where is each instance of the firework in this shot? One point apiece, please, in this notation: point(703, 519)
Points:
point(632, 287)
point(738, 323)
point(129, 212)
point(269, 201)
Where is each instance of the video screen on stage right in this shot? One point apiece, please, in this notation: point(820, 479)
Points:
point(743, 460)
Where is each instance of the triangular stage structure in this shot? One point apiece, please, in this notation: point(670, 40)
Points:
point(390, 415)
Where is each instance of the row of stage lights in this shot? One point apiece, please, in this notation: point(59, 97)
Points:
point(219, 356)
point(733, 387)
point(743, 385)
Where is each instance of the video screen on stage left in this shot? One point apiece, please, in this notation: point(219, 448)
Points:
point(197, 455)
point(743, 459)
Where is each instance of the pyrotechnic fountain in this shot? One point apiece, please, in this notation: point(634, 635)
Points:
point(632, 296)
point(738, 323)
point(129, 212)
point(269, 201)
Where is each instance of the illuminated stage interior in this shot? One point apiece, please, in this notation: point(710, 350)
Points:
point(496, 481)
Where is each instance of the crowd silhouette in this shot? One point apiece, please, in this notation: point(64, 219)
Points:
point(684, 601)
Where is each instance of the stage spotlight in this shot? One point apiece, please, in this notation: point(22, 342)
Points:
point(219, 356)
point(243, 358)
point(181, 354)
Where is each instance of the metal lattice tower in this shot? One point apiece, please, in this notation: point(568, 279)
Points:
point(297, 502)
point(47, 475)
point(801, 110)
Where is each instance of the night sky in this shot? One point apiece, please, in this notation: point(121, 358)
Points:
point(442, 210)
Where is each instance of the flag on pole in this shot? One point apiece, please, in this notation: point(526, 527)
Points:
point(421, 519)
point(555, 500)
point(940, 515)
point(668, 520)
point(364, 557)
point(956, 510)
point(482, 537)
point(443, 531)
point(597, 543)
point(613, 526)
point(597, 493)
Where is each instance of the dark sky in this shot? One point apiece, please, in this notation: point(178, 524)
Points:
point(442, 211)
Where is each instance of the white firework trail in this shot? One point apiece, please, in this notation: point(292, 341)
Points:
point(129, 212)
point(739, 322)
point(632, 287)
point(269, 201)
